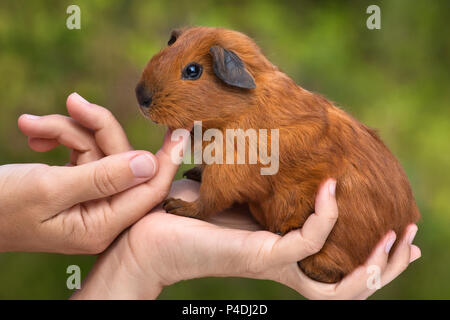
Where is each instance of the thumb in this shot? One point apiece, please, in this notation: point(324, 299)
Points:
point(131, 205)
point(103, 178)
point(148, 195)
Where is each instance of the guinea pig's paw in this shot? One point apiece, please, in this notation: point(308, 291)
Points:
point(179, 207)
point(194, 174)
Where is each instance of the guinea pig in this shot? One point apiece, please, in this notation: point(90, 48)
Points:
point(221, 78)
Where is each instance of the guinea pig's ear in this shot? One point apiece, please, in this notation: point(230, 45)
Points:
point(230, 68)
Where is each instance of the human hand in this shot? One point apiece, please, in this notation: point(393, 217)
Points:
point(162, 249)
point(79, 208)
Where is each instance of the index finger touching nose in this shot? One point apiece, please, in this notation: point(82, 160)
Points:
point(146, 196)
point(169, 157)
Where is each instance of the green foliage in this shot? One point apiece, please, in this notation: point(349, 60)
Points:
point(395, 79)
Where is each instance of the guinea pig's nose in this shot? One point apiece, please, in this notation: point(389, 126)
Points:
point(143, 95)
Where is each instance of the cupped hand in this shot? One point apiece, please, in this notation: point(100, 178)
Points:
point(162, 249)
point(82, 207)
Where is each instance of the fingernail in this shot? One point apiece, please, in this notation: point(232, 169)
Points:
point(332, 188)
point(414, 259)
point(143, 166)
point(411, 237)
point(80, 98)
point(390, 243)
point(31, 116)
point(415, 254)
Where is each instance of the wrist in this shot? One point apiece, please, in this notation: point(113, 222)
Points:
point(116, 276)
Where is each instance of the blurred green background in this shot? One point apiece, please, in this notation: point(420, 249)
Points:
point(395, 79)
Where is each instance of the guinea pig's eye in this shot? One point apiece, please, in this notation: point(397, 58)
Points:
point(171, 40)
point(193, 71)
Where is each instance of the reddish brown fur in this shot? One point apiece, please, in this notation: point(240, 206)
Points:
point(317, 141)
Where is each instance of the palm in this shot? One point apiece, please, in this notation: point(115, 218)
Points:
point(234, 234)
point(85, 217)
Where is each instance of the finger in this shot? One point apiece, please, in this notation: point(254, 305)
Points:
point(76, 157)
point(299, 244)
point(108, 133)
point(100, 179)
point(402, 255)
point(62, 129)
point(416, 253)
point(169, 158)
point(42, 145)
point(57, 127)
point(366, 279)
point(138, 201)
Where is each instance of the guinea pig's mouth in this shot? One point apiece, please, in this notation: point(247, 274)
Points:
point(157, 115)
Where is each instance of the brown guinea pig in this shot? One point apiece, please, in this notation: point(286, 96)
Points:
point(220, 77)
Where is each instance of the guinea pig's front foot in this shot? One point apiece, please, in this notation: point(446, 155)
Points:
point(180, 207)
point(281, 230)
point(194, 174)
